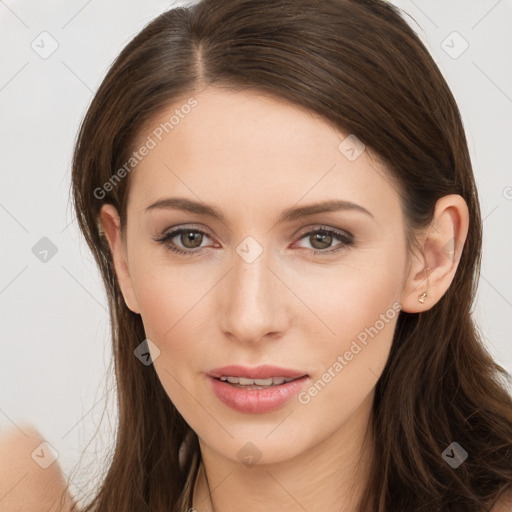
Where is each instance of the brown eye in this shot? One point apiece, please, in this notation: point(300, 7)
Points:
point(191, 239)
point(186, 241)
point(327, 241)
point(320, 240)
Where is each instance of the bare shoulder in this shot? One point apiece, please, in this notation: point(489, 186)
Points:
point(30, 477)
point(504, 504)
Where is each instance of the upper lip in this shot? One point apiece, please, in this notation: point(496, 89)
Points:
point(256, 372)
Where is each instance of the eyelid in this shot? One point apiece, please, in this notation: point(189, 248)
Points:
point(186, 227)
point(322, 227)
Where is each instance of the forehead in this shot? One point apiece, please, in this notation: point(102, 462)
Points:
point(230, 125)
point(250, 147)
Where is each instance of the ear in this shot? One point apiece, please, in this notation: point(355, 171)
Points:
point(111, 226)
point(433, 267)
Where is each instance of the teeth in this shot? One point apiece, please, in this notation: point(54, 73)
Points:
point(261, 382)
point(243, 381)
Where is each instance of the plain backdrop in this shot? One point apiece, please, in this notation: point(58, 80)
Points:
point(55, 334)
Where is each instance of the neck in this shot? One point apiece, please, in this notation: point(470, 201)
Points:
point(329, 476)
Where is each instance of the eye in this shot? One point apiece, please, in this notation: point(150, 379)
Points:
point(189, 238)
point(323, 237)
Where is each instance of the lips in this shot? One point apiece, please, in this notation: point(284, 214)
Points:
point(256, 390)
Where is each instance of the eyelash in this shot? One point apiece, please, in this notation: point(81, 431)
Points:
point(347, 242)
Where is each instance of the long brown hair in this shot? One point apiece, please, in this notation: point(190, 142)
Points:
point(359, 65)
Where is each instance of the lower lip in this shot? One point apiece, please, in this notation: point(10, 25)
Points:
point(256, 400)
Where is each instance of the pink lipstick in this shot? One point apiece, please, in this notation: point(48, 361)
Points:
point(256, 389)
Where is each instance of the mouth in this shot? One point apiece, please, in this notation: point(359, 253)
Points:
point(256, 390)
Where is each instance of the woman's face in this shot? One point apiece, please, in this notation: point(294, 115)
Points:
point(277, 278)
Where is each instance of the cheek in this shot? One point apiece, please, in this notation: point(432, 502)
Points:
point(176, 311)
point(170, 305)
point(167, 294)
point(362, 308)
point(355, 295)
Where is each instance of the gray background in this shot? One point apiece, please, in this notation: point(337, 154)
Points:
point(55, 334)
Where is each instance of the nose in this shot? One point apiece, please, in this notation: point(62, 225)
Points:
point(253, 302)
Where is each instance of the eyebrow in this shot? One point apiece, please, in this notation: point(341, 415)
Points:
point(288, 215)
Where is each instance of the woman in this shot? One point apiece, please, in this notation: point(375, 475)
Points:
point(280, 199)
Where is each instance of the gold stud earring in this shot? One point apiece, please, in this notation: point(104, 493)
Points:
point(422, 297)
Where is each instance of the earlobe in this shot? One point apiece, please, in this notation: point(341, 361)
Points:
point(111, 226)
point(433, 268)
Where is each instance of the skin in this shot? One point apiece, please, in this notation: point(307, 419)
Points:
point(253, 156)
point(25, 483)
